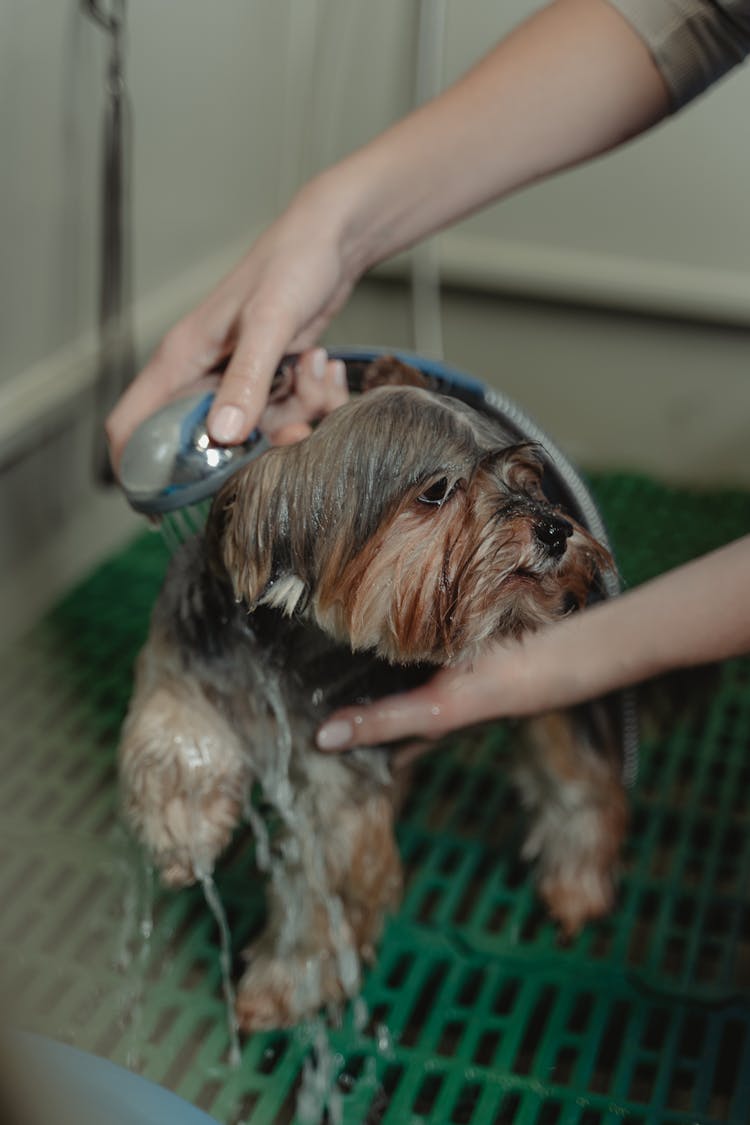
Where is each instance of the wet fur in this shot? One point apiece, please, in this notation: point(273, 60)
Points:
point(327, 576)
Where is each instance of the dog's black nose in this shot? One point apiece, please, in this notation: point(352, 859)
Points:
point(553, 532)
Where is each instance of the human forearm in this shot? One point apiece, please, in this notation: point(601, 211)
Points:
point(696, 614)
point(571, 82)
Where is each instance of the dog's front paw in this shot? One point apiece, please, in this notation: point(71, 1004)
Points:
point(577, 896)
point(577, 861)
point(278, 992)
point(186, 835)
point(183, 779)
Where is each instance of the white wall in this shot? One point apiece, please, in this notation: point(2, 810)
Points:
point(613, 302)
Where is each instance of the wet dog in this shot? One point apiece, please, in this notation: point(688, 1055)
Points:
point(406, 532)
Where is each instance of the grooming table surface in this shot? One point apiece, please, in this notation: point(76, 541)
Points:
point(475, 1013)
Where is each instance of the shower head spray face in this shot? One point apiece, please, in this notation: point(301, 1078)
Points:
point(171, 462)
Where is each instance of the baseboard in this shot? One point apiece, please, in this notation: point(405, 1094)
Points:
point(602, 281)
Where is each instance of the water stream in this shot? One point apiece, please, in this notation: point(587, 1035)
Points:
point(215, 905)
point(301, 846)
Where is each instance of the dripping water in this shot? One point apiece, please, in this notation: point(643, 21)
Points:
point(318, 1092)
point(199, 755)
point(132, 951)
point(215, 905)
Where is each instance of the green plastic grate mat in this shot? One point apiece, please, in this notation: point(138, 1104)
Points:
point(474, 1013)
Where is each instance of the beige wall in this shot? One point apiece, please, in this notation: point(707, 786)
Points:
point(613, 303)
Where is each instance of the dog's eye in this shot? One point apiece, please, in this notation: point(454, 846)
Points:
point(437, 493)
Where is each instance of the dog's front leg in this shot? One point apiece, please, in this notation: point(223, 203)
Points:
point(335, 875)
point(579, 817)
point(183, 772)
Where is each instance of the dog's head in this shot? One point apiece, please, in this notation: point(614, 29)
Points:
point(408, 524)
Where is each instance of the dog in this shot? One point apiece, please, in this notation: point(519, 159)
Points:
point(407, 532)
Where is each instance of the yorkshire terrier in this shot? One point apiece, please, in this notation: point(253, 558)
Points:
point(408, 531)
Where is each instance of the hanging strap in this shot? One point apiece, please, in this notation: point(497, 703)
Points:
point(116, 348)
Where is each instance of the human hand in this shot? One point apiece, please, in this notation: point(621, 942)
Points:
point(698, 613)
point(492, 686)
point(318, 385)
point(278, 299)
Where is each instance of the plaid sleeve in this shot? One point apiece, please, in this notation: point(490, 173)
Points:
point(693, 42)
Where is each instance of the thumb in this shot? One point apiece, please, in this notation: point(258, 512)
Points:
point(242, 393)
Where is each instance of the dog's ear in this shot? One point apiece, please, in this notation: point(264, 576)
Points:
point(387, 371)
point(248, 529)
point(522, 466)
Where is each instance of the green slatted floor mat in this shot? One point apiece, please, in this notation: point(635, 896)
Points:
point(474, 1014)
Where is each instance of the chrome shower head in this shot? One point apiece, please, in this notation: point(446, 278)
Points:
point(170, 462)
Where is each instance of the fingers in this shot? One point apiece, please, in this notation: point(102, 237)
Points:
point(288, 435)
point(319, 387)
point(427, 712)
point(289, 306)
point(497, 685)
point(261, 342)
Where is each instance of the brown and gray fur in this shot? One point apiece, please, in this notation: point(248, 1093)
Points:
point(407, 532)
